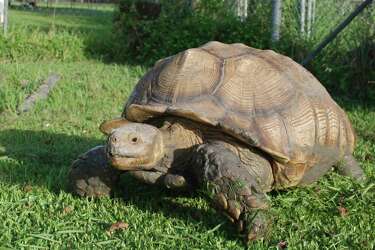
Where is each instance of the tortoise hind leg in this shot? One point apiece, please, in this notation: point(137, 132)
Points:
point(234, 190)
point(349, 166)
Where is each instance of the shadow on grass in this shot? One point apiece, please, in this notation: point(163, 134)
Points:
point(39, 157)
point(42, 159)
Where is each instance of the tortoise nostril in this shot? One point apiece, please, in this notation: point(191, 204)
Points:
point(134, 139)
point(109, 152)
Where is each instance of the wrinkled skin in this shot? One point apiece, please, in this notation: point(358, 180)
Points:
point(91, 175)
point(180, 154)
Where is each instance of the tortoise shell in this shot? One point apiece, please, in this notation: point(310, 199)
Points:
point(257, 96)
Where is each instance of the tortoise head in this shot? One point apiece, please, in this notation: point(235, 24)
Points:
point(132, 146)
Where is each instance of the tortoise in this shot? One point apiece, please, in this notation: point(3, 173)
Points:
point(234, 120)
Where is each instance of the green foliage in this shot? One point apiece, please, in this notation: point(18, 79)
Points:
point(177, 28)
point(346, 66)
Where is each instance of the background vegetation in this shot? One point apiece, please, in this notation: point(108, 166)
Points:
point(99, 64)
point(346, 66)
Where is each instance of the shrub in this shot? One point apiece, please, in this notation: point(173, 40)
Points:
point(175, 28)
point(347, 65)
point(146, 32)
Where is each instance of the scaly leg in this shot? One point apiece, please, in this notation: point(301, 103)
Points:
point(350, 167)
point(233, 188)
point(170, 181)
point(90, 175)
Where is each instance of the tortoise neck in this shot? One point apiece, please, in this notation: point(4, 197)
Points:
point(180, 133)
point(180, 137)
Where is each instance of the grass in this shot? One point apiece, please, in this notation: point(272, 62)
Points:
point(36, 149)
point(63, 35)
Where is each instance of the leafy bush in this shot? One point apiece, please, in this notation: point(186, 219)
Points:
point(345, 66)
point(143, 40)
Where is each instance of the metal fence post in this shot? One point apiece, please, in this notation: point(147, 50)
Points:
point(309, 16)
point(4, 15)
point(276, 20)
point(5, 23)
point(302, 12)
point(2, 12)
point(241, 9)
point(313, 11)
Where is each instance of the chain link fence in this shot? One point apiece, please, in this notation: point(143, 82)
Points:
point(314, 19)
point(310, 20)
point(348, 61)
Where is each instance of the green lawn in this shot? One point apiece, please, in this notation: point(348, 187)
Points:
point(36, 149)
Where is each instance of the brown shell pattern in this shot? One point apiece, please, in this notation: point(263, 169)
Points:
point(258, 96)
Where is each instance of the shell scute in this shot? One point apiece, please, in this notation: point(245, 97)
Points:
point(189, 74)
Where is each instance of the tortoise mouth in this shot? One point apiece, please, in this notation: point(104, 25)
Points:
point(128, 162)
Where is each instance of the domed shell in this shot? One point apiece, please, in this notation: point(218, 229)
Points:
point(258, 96)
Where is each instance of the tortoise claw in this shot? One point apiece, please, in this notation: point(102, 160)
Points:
point(235, 191)
point(221, 201)
point(234, 209)
point(253, 222)
point(172, 181)
point(255, 226)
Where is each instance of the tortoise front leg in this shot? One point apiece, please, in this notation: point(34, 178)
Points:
point(170, 181)
point(234, 189)
point(90, 175)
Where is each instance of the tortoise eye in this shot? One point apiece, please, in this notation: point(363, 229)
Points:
point(134, 139)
